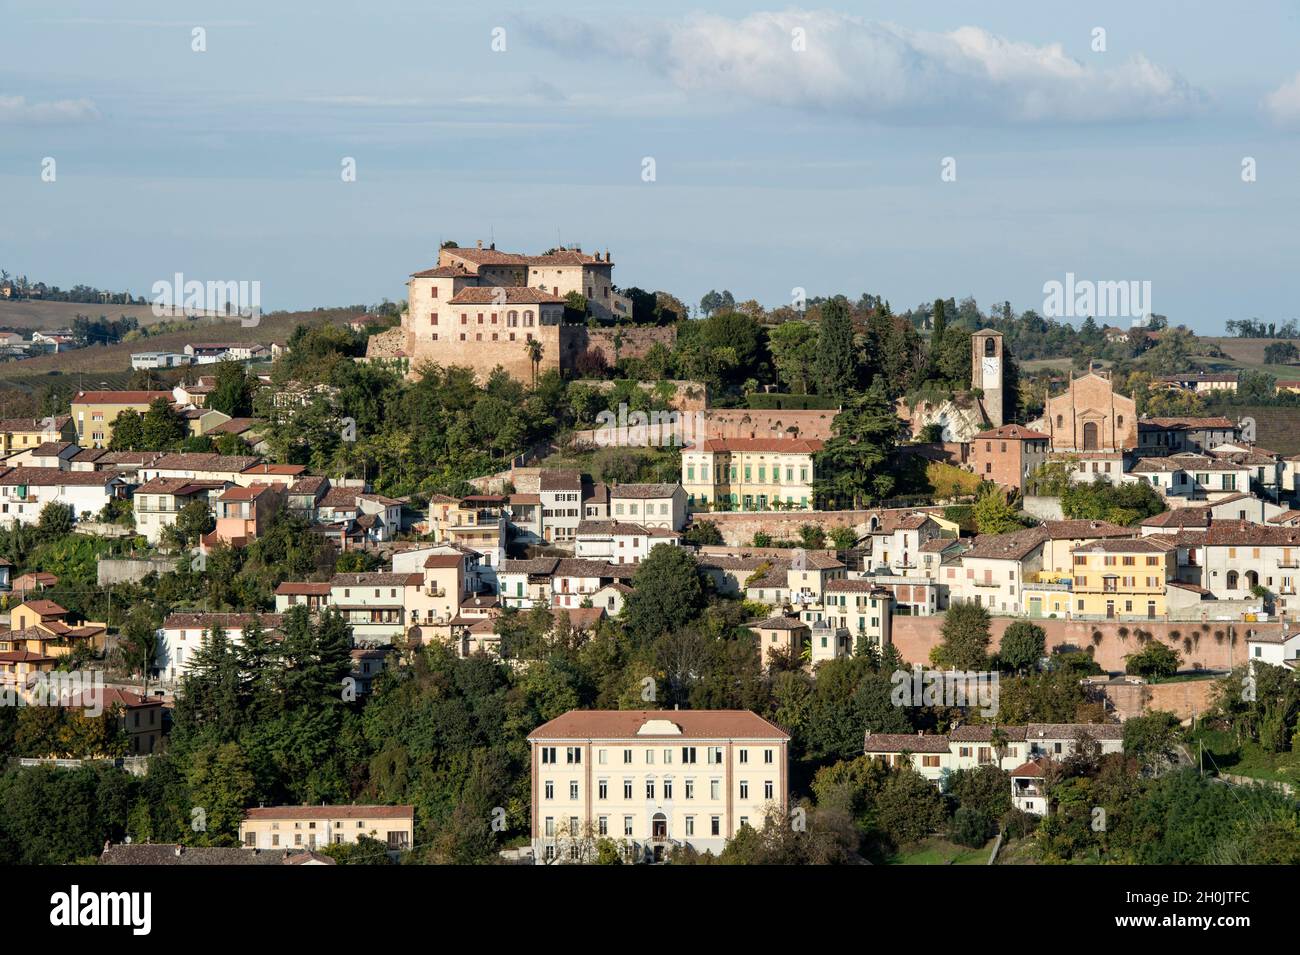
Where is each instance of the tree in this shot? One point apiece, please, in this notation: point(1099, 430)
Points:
point(836, 364)
point(163, 427)
point(853, 463)
point(993, 515)
point(909, 807)
point(666, 592)
point(56, 520)
point(232, 392)
point(794, 348)
point(703, 534)
point(1281, 353)
point(128, 431)
point(1023, 645)
point(193, 522)
point(1154, 660)
point(139, 643)
point(965, 640)
point(1152, 739)
point(534, 349)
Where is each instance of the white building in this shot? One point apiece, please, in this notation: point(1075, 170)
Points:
point(657, 506)
point(182, 634)
point(653, 780)
point(24, 492)
point(617, 542)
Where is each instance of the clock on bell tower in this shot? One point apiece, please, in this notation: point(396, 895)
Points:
point(986, 372)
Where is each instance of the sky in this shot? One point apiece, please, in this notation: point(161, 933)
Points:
point(909, 150)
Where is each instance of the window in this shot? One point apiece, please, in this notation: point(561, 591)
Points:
point(690, 789)
point(573, 789)
point(767, 756)
point(715, 825)
point(649, 789)
point(602, 789)
point(550, 789)
point(627, 825)
point(744, 789)
point(767, 787)
point(627, 756)
point(548, 755)
point(627, 789)
point(690, 825)
point(602, 825)
point(744, 755)
point(715, 789)
point(668, 789)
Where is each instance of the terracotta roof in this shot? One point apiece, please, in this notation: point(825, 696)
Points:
point(1014, 432)
point(1033, 768)
point(1190, 423)
point(550, 480)
point(331, 812)
point(689, 724)
point(201, 461)
point(1083, 530)
point(229, 621)
point(513, 295)
point(855, 585)
point(584, 618)
point(983, 733)
point(181, 486)
point(904, 742)
point(303, 588)
point(777, 623)
point(46, 608)
point(1247, 534)
point(120, 397)
point(784, 445)
point(1134, 545)
point(1098, 731)
point(1015, 545)
point(643, 491)
point(611, 529)
point(444, 560)
point(1179, 517)
point(581, 567)
point(376, 579)
point(538, 565)
point(52, 477)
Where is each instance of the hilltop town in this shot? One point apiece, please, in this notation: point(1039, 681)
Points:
point(537, 568)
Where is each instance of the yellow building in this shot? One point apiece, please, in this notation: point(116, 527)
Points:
point(309, 827)
point(93, 412)
point(1122, 578)
point(20, 434)
point(750, 474)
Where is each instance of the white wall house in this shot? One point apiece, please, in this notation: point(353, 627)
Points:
point(24, 492)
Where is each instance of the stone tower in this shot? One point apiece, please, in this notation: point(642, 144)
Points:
point(986, 368)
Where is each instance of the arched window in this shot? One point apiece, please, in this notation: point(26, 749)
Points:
point(989, 347)
point(513, 319)
point(1232, 580)
point(1060, 421)
point(528, 318)
point(1119, 421)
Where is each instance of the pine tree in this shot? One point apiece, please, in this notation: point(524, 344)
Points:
point(853, 463)
point(836, 364)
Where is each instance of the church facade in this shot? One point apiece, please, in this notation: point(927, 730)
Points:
point(1090, 416)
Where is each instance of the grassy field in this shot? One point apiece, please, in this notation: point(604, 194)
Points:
point(1224, 755)
point(1249, 353)
point(939, 851)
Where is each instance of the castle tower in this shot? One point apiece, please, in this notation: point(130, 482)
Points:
point(986, 367)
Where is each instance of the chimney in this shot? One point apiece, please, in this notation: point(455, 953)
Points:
point(606, 253)
point(493, 246)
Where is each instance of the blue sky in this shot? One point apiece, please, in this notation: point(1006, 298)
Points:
point(774, 168)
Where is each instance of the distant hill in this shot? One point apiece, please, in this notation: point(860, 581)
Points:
point(101, 359)
point(43, 316)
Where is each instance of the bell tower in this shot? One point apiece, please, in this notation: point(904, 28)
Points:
point(986, 367)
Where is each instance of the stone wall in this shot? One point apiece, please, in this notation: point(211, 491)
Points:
point(738, 527)
point(1201, 646)
point(117, 570)
point(754, 423)
point(634, 341)
point(1185, 699)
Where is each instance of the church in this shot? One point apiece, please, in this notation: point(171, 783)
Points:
point(1090, 416)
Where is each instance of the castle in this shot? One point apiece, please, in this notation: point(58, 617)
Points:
point(481, 308)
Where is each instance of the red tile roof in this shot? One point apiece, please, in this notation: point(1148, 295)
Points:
point(690, 724)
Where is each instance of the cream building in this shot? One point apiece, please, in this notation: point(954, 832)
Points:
point(750, 474)
point(653, 780)
point(93, 412)
point(311, 827)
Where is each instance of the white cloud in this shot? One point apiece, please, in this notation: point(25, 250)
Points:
point(16, 110)
point(1283, 104)
point(882, 71)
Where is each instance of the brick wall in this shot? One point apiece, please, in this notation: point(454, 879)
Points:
point(634, 341)
point(916, 636)
point(1184, 700)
